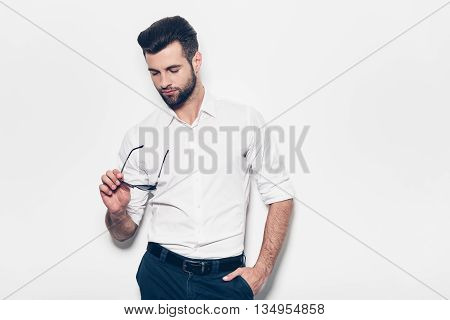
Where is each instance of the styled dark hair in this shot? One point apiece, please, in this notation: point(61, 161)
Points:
point(167, 30)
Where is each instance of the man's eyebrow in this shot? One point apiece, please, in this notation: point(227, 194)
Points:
point(169, 67)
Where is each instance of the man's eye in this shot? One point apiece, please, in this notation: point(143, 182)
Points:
point(174, 71)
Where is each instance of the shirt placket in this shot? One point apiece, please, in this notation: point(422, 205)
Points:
point(197, 186)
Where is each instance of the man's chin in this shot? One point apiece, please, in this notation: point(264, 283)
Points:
point(169, 101)
point(174, 105)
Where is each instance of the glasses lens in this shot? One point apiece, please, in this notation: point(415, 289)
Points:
point(146, 187)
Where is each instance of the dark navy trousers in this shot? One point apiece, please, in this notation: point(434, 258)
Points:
point(159, 280)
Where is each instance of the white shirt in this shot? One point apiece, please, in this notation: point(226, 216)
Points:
point(195, 212)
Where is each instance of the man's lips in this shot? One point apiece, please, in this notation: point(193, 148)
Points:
point(168, 91)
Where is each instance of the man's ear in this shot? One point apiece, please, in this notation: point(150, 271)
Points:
point(197, 62)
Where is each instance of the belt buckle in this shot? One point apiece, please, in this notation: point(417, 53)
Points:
point(198, 263)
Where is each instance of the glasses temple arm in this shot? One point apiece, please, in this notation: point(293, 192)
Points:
point(129, 156)
point(163, 163)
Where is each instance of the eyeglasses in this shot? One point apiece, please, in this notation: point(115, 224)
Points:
point(144, 187)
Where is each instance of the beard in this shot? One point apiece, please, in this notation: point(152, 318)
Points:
point(176, 101)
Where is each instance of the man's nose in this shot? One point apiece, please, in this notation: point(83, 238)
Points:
point(165, 82)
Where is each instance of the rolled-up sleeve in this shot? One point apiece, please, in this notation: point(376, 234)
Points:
point(133, 174)
point(264, 160)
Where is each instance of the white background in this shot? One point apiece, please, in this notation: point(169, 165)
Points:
point(372, 216)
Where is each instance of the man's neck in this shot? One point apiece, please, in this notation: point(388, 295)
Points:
point(191, 107)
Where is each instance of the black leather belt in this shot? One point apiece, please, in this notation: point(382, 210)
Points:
point(196, 266)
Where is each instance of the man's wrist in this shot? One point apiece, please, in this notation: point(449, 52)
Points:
point(117, 216)
point(263, 269)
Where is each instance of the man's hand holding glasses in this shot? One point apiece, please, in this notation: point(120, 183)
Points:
point(115, 195)
point(115, 192)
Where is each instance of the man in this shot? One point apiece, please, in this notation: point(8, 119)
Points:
point(197, 224)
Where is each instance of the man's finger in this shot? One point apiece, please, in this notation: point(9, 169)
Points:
point(105, 190)
point(118, 174)
point(107, 181)
point(232, 275)
point(113, 178)
point(124, 187)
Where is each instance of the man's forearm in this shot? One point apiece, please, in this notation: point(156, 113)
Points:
point(274, 233)
point(121, 226)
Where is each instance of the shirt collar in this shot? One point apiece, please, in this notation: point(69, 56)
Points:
point(208, 106)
